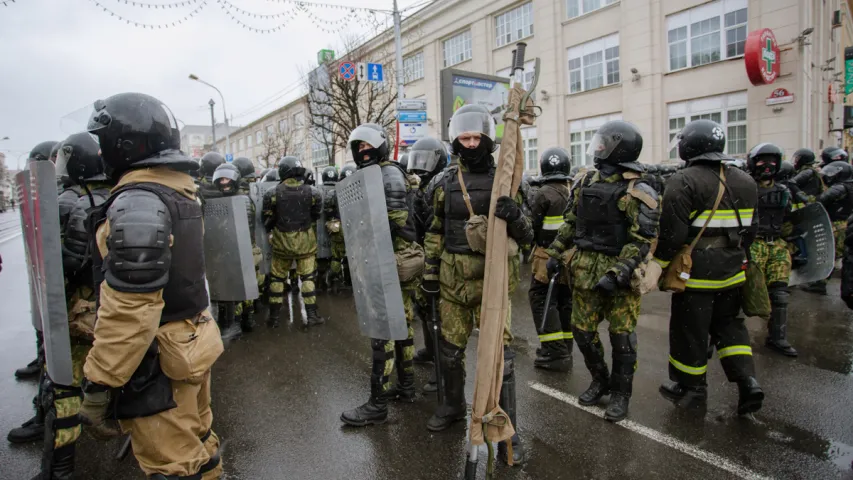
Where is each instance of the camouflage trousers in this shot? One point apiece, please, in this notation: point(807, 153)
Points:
point(67, 401)
point(839, 227)
point(458, 321)
point(773, 259)
point(387, 353)
point(339, 251)
point(306, 268)
point(590, 308)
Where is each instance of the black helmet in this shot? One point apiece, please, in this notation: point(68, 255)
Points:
point(245, 167)
point(555, 162)
point(617, 142)
point(701, 138)
point(347, 170)
point(803, 157)
point(786, 171)
point(428, 156)
point(309, 177)
point(271, 175)
point(226, 177)
point(473, 119)
point(137, 130)
point(290, 167)
point(330, 175)
point(78, 159)
point(374, 135)
point(404, 162)
point(42, 151)
point(837, 172)
point(761, 153)
point(210, 162)
point(832, 154)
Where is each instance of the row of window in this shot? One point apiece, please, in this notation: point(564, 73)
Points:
point(297, 120)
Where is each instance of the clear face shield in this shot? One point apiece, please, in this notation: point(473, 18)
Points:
point(226, 179)
point(602, 146)
point(422, 161)
point(471, 122)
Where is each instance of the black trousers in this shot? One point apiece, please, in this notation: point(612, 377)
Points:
point(558, 327)
point(694, 317)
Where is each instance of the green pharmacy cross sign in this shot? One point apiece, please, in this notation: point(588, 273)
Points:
point(848, 70)
point(762, 57)
point(768, 55)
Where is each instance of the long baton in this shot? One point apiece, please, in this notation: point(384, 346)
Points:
point(548, 301)
point(436, 351)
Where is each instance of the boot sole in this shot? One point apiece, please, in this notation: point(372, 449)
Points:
point(594, 402)
point(554, 366)
point(614, 419)
point(684, 401)
point(781, 350)
point(445, 427)
point(752, 404)
point(34, 438)
point(26, 376)
point(364, 423)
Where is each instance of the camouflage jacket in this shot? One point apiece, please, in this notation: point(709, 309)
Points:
point(300, 244)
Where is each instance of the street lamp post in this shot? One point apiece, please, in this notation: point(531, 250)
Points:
point(227, 128)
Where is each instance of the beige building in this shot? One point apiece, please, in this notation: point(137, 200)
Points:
point(656, 63)
point(197, 139)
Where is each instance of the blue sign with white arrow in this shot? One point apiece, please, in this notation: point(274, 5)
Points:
point(374, 72)
point(405, 116)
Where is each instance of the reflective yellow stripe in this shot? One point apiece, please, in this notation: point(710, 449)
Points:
point(734, 350)
point(552, 223)
point(568, 336)
point(723, 218)
point(551, 337)
point(688, 370)
point(797, 206)
point(740, 277)
point(662, 263)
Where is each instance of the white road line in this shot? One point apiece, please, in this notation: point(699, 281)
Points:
point(10, 237)
point(662, 438)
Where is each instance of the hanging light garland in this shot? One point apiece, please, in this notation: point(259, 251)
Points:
point(288, 14)
point(186, 18)
point(226, 7)
point(158, 6)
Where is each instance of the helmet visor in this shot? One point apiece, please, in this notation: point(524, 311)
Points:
point(422, 160)
point(471, 122)
point(63, 156)
point(226, 173)
point(366, 134)
point(602, 146)
point(90, 118)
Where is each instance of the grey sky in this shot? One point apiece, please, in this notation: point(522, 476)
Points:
point(60, 55)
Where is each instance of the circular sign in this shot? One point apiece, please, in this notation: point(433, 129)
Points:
point(347, 70)
point(762, 57)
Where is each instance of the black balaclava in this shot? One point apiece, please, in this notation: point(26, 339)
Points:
point(477, 159)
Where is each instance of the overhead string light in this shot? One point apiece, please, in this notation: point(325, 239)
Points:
point(6, 2)
point(187, 17)
point(226, 7)
point(329, 6)
point(158, 6)
point(288, 14)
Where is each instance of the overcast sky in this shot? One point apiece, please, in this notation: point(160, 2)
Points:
point(57, 56)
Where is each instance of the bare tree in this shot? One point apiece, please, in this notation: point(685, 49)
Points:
point(276, 145)
point(336, 106)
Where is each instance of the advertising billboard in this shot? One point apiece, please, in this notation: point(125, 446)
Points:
point(459, 88)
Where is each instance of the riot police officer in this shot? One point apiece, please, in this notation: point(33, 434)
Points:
point(838, 199)
point(611, 221)
point(228, 180)
point(454, 269)
point(785, 177)
point(547, 207)
point(209, 162)
point(807, 176)
point(427, 158)
point(247, 174)
point(336, 235)
point(832, 154)
point(151, 288)
point(290, 211)
point(710, 304)
point(369, 147)
point(769, 251)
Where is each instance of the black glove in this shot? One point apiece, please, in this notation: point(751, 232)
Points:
point(607, 284)
point(431, 288)
point(507, 209)
point(552, 266)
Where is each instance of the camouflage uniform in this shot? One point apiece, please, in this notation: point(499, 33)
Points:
point(772, 258)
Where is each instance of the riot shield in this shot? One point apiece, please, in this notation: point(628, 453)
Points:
point(261, 236)
point(816, 238)
point(228, 258)
point(43, 244)
point(324, 242)
point(372, 264)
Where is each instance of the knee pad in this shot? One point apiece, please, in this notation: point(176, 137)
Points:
point(778, 292)
point(452, 357)
point(624, 343)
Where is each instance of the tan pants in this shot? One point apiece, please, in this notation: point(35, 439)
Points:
point(170, 442)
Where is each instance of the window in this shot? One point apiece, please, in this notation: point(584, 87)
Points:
point(413, 67)
point(298, 121)
point(527, 81)
point(576, 8)
point(581, 133)
point(514, 25)
point(240, 144)
point(298, 149)
point(457, 48)
point(319, 154)
point(529, 143)
point(259, 137)
point(727, 110)
point(594, 64)
point(283, 126)
point(707, 33)
point(248, 141)
point(270, 131)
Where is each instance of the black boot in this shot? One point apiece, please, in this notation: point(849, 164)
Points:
point(684, 396)
point(30, 371)
point(454, 407)
point(624, 346)
point(777, 328)
point(750, 396)
point(314, 318)
point(247, 321)
point(552, 353)
point(432, 384)
point(555, 359)
point(32, 430)
point(58, 464)
point(507, 403)
point(404, 389)
point(375, 410)
point(275, 312)
point(229, 329)
point(818, 287)
point(593, 356)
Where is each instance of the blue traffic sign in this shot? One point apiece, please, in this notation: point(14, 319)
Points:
point(229, 157)
point(374, 72)
point(347, 70)
point(412, 116)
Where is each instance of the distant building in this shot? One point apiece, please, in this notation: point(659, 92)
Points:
point(197, 139)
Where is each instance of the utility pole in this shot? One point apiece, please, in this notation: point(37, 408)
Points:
point(212, 123)
point(400, 77)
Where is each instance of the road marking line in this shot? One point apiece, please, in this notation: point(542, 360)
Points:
point(662, 438)
point(6, 239)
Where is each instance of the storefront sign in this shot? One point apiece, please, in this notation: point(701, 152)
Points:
point(779, 96)
point(762, 57)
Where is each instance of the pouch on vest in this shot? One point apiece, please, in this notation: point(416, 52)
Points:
point(410, 262)
point(149, 390)
point(189, 348)
point(477, 226)
point(645, 277)
point(333, 226)
point(755, 299)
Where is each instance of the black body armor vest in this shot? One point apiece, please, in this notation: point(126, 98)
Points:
point(293, 208)
point(479, 186)
point(601, 226)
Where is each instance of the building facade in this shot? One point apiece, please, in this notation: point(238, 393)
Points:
point(196, 140)
point(656, 63)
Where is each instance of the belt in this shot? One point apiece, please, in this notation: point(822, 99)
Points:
point(712, 242)
point(768, 238)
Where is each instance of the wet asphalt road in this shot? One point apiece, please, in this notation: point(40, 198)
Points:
point(278, 395)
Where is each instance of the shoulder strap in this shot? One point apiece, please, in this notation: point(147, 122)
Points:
point(720, 191)
point(641, 195)
point(465, 195)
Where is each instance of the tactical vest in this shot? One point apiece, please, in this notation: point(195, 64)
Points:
point(293, 208)
point(840, 210)
point(600, 225)
point(75, 238)
point(814, 186)
point(398, 197)
point(771, 211)
point(185, 295)
point(479, 186)
point(557, 195)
